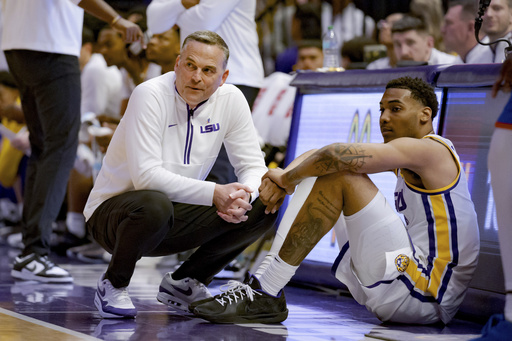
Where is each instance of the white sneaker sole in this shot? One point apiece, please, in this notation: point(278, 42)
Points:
point(29, 276)
point(104, 314)
point(172, 301)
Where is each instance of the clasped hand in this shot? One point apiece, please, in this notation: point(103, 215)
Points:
point(273, 190)
point(232, 201)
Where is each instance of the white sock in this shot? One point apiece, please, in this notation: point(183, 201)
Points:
point(299, 197)
point(277, 275)
point(76, 224)
point(264, 265)
point(508, 307)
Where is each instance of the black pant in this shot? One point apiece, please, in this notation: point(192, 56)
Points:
point(146, 223)
point(50, 91)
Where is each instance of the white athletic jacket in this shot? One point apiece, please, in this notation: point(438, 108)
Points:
point(163, 146)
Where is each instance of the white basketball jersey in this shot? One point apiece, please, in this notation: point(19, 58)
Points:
point(443, 228)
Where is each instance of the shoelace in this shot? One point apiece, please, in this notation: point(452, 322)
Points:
point(234, 291)
point(46, 261)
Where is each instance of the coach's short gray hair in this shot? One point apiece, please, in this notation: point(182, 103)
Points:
point(209, 38)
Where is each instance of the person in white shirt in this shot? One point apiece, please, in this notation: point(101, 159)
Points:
point(459, 33)
point(135, 67)
point(101, 84)
point(413, 43)
point(497, 24)
point(151, 198)
point(41, 42)
point(385, 39)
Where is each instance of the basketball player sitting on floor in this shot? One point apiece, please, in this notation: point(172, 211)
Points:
point(412, 272)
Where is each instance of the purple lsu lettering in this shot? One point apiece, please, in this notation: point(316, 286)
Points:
point(209, 128)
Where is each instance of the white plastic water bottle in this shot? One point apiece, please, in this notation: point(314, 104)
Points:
point(331, 50)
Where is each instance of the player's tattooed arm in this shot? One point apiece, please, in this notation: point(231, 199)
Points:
point(336, 157)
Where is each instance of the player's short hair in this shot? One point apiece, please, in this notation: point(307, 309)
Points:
point(420, 90)
point(209, 38)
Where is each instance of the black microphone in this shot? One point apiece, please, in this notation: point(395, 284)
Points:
point(485, 3)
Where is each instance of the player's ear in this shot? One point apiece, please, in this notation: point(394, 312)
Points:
point(426, 115)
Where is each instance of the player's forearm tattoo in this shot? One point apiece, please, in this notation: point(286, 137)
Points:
point(315, 219)
point(341, 157)
point(336, 157)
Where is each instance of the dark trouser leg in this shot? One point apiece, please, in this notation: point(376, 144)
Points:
point(50, 95)
point(140, 223)
point(130, 226)
point(220, 242)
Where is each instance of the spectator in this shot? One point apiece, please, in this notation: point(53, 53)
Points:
point(306, 26)
point(413, 44)
point(309, 56)
point(385, 39)
point(164, 48)
point(101, 84)
point(431, 12)
point(497, 24)
point(459, 33)
point(131, 60)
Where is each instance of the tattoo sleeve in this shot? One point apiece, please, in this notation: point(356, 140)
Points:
point(333, 158)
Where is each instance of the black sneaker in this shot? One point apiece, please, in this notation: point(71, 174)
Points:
point(244, 303)
point(194, 304)
point(39, 268)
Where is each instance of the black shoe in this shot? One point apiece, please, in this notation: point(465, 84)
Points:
point(244, 303)
point(192, 305)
